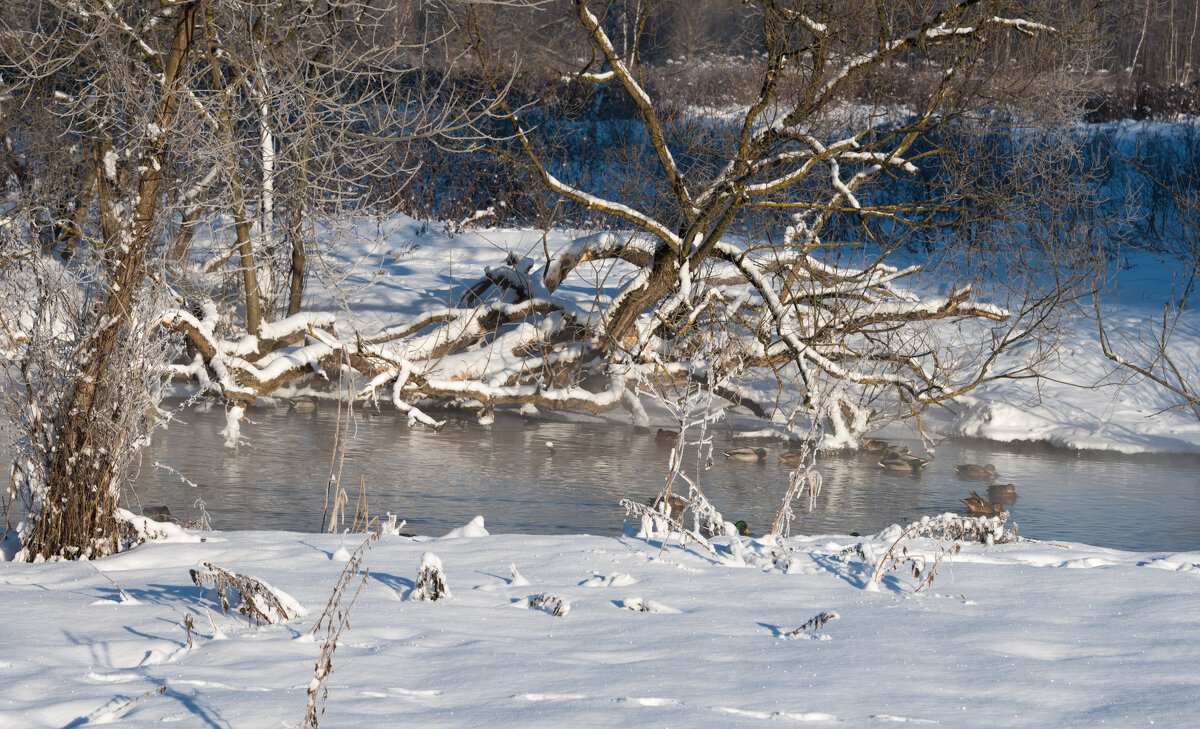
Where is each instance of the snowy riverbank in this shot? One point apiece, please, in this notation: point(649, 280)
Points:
point(1086, 402)
point(1017, 635)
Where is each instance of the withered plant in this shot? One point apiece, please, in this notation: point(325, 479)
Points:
point(253, 598)
point(431, 580)
point(334, 619)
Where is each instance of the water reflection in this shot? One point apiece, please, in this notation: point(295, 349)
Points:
point(559, 477)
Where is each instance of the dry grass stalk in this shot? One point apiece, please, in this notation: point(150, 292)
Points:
point(337, 516)
point(255, 599)
point(124, 597)
point(363, 522)
point(335, 618)
point(203, 523)
point(152, 692)
point(816, 622)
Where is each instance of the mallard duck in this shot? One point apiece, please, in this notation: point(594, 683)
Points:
point(974, 471)
point(980, 506)
point(746, 453)
point(904, 463)
point(1002, 493)
point(157, 513)
point(666, 437)
point(893, 450)
point(742, 528)
point(873, 444)
point(791, 458)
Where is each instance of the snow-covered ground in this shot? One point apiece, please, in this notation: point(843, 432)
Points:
point(1017, 635)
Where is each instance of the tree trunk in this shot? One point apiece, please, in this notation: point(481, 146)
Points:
point(664, 276)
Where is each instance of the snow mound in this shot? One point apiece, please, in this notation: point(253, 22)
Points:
point(473, 529)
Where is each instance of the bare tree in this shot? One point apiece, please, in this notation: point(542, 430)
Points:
point(132, 123)
point(766, 232)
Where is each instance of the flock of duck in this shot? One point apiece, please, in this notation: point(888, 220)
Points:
point(897, 459)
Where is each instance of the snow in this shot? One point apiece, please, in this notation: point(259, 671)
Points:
point(1022, 635)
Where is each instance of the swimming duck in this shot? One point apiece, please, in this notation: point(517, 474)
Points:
point(1002, 493)
point(666, 437)
point(874, 445)
point(974, 471)
point(742, 528)
point(980, 506)
point(902, 462)
point(746, 454)
point(791, 458)
point(893, 450)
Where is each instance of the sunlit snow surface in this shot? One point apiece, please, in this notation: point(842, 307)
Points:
point(1022, 635)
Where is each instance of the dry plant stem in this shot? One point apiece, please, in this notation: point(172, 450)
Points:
point(124, 597)
point(944, 528)
point(255, 600)
point(337, 459)
point(804, 476)
point(816, 622)
point(335, 618)
point(152, 692)
point(636, 510)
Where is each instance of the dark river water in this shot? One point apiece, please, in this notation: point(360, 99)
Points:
point(506, 472)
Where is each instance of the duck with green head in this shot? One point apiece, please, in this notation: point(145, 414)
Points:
point(746, 453)
point(902, 463)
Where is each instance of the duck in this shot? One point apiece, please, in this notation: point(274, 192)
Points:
point(894, 450)
point(874, 445)
point(975, 471)
point(902, 462)
point(791, 458)
point(746, 453)
point(1003, 493)
point(674, 502)
point(742, 528)
point(980, 506)
point(666, 437)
